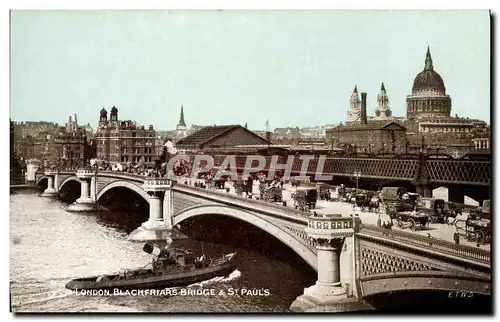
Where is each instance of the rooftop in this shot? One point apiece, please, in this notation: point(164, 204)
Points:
point(206, 134)
point(371, 125)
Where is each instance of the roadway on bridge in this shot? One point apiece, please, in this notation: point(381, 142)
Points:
point(438, 231)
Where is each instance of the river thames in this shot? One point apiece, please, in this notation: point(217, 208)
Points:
point(49, 247)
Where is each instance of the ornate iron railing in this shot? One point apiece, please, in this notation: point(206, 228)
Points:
point(463, 251)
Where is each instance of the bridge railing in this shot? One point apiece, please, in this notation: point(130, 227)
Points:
point(261, 203)
point(463, 251)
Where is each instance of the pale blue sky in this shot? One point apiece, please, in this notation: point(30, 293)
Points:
point(297, 68)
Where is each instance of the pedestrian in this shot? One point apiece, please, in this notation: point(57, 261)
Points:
point(379, 221)
point(456, 237)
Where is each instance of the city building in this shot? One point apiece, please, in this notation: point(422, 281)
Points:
point(219, 138)
point(25, 134)
point(65, 146)
point(379, 137)
point(427, 124)
point(124, 141)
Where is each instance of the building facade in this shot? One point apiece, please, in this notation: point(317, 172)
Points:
point(124, 141)
point(65, 146)
point(427, 124)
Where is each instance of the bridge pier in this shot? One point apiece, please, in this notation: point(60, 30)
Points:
point(456, 194)
point(159, 225)
point(86, 202)
point(424, 191)
point(328, 294)
point(51, 190)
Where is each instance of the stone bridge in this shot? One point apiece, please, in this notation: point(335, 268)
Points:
point(353, 261)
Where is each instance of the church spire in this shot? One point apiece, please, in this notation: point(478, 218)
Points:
point(181, 121)
point(382, 88)
point(428, 59)
point(355, 89)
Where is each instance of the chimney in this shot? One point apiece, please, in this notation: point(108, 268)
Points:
point(268, 136)
point(363, 109)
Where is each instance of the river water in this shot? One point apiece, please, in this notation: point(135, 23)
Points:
point(49, 247)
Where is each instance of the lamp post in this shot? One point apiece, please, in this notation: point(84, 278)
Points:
point(357, 174)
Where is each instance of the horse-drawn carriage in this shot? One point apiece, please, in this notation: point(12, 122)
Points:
point(273, 194)
point(409, 219)
point(365, 201)
point(478, 230)
point(478, 225)
point(243, 186)
point(398, 199)
point(304, 198)
point(324, 191)
point(437, 209)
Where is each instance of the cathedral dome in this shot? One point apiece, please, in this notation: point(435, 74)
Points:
point(428, 80)
point(103, 112)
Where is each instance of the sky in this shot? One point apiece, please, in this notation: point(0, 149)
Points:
point(295, 68)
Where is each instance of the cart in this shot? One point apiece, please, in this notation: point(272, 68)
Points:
point(478, 230)
point(239, 187)
point(397, 199)
point(437, 209)
point(361, 201)
point(410, 219)
point(477, 226)
point(324, 191)
point(305, 199)
point(273, 194)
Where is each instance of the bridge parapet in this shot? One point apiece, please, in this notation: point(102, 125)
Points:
point(437, 246)
point(156, 184)
point(331, 225)
point(51, 172)
point(85, 173)
point(274, 210)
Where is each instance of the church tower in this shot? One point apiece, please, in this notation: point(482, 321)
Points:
point(382, 111)
point(113, 117)
point(103, 119)
point(181, 126)
point(354, 111)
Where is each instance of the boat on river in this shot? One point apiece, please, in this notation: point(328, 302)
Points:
point(170, 267)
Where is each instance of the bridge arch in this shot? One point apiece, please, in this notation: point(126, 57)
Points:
point(68, 179)
point(40, 179)
point(123, 184)
point(288, 238)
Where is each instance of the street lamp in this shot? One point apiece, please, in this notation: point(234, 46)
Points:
point(357, 174)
